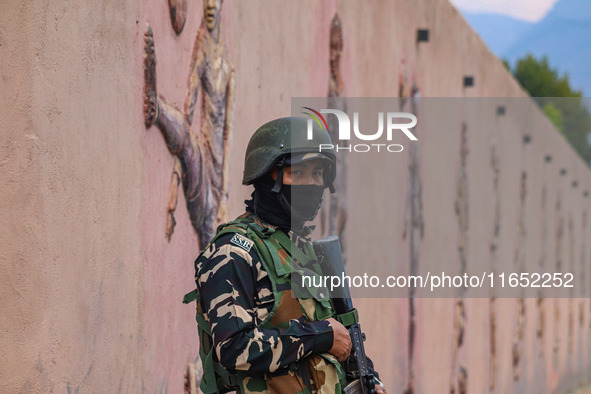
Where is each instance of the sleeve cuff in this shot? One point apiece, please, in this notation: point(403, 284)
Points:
point(324, 336)
point(378, 381)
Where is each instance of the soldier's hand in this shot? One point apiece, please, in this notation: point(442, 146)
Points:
point(380, 389)
point(341, 344)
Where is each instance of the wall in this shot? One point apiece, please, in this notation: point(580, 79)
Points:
point(91, 293)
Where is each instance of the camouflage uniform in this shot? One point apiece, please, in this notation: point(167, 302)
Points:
point(274, 342)
point(255, 336)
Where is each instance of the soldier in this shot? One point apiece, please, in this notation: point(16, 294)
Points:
point(255, 336)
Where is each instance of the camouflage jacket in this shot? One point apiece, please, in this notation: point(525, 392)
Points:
point(275, 345)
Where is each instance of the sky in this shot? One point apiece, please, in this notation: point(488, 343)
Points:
point(528, 10)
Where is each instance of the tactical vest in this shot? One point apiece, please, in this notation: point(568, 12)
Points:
point(276, 253)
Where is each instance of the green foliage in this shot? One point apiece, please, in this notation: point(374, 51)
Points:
point(563, 105)
point(555, 115)
point(506, 64)
point(540, 80)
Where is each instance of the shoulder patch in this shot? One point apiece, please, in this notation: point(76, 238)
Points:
point(242, 241)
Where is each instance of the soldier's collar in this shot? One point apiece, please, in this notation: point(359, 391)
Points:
point(296, 237)
point(300, 240)
point(306, 232)
point(252, 216)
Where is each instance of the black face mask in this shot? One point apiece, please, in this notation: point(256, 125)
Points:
point(265, 204)
point(289, 208)
point(303, 201)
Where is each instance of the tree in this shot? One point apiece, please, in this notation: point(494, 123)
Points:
point(563, 105)
point(540, 80)
point(555, 116)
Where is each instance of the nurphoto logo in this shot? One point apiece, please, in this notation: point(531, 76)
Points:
point(395, 122)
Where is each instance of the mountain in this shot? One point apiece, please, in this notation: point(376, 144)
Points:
point(563, 35)
point(488, 27)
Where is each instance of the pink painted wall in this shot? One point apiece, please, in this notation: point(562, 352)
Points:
point(71, 199)
point(91, 290)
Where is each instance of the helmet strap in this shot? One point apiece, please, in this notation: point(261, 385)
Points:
point(331, 187)
point(279, 180)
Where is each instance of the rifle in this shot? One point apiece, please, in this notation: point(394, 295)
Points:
point(358, 368)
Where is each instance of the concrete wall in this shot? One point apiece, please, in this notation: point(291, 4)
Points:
point(542, 225)
point(91, 290)
point(72, 195)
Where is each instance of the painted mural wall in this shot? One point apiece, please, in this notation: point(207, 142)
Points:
point(124, 130)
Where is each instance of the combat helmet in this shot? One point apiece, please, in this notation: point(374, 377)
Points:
point(285, 141)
